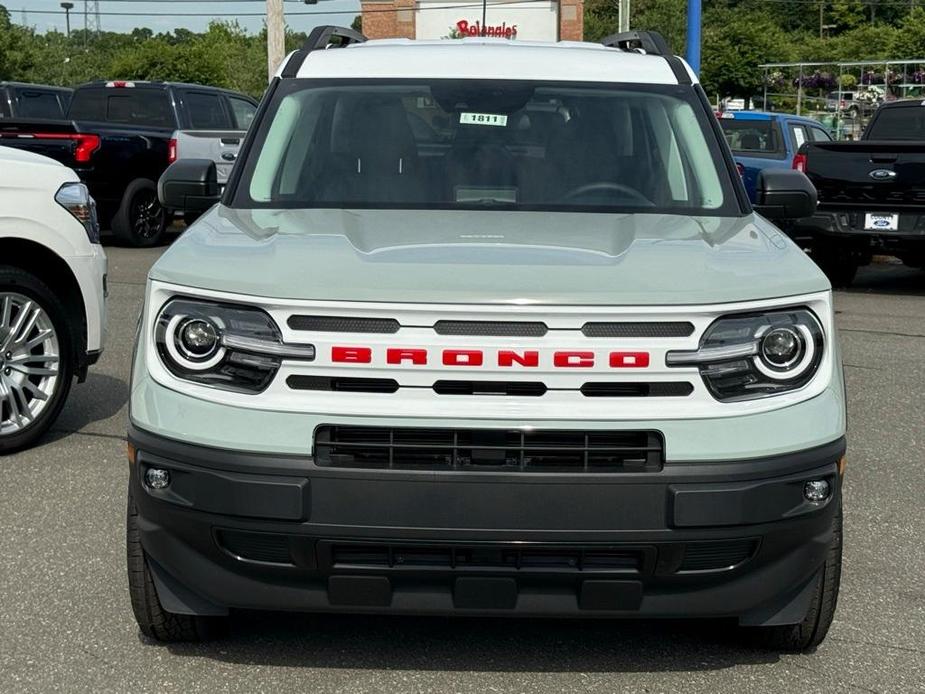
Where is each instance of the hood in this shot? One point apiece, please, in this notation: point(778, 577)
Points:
point(488, 257)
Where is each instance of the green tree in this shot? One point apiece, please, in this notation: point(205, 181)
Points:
point(735, 44)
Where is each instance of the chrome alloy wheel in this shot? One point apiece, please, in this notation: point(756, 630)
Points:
point(29, 361)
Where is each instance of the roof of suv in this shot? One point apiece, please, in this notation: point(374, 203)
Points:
point(489, 58)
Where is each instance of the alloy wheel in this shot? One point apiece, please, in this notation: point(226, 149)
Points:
point(29, 361)
point(147, 215)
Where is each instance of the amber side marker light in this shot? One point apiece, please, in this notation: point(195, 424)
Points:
point(842, 464)
point(131, 452)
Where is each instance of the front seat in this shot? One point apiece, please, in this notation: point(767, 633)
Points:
point(375, 157)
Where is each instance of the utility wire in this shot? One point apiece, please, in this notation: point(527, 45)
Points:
point(288, 14)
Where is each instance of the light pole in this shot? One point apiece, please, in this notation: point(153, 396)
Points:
point(67, 6)
point(693, 34)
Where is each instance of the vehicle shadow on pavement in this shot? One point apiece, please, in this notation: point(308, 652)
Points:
point(99, 397)
point(889, 278)
point(477, 644)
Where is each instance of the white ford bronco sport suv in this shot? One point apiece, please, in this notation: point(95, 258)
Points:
point(486, 327)
point(52, 292)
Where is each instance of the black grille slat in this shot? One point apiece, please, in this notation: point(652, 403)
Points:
point(334, 324)
point(488, 449)
point(632, 389)
point(491, 328)
point(486, 558)
point(511, 388)
point(343, 384)
point(638, 329)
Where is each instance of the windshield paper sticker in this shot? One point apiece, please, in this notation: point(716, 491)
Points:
point(483, 119)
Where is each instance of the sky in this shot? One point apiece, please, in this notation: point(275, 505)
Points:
point(167, 15)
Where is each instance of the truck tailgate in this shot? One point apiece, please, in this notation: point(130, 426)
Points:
point(871, 174)
point(58, 140)
point(221, 146)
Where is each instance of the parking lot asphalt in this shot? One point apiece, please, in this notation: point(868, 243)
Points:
point(66, 624)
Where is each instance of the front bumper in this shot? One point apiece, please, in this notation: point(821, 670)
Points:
point(263, 531)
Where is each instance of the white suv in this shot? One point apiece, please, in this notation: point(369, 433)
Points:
point(52, 292)
point(486, 327)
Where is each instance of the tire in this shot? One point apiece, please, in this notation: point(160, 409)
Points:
point(140, 220)
point(839, 266)
point(25, 379)
point(808, 634)
point(154, 621)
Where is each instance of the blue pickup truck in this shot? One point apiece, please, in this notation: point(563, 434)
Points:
point(761, 140)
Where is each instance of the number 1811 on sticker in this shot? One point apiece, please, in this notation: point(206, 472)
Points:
point(483, 119)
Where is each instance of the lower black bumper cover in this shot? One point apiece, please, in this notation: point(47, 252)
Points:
point(244, 530)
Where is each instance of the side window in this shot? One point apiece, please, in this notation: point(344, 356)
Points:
point(798, 135)
point(38, 104)
point(243, 112)
point(4, 104)
point(206, 111)
point(820, 135)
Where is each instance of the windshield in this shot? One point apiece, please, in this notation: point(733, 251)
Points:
point(446, 144)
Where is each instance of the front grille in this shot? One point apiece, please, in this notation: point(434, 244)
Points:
point(715, 556)
point(638, 329)
point(263, 547)
point(490, 328)
point(490, 558)
point(488, 449)
point(335, 324)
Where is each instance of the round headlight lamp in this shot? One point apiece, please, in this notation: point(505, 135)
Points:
point(785, 352)
point(198, 338)
point(194, 342)
point(781, 347)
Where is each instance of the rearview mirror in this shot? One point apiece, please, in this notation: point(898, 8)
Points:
point(189, 185)
point(784, 194)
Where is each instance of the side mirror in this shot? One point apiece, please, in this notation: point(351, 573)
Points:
point(784, 194)
point(189, 185)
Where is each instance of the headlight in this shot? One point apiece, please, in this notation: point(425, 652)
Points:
point(756, 355)
point(222, 345)
point(75, 198)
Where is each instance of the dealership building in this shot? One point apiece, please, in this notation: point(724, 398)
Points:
point(538, 20)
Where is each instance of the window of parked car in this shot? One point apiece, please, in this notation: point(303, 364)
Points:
point(4, 104)
point(819, 134)
point(460, 144)
point(798, 134)
point(142, 107)
point(753, 137)
point(206, 111)
point(243, 112)
point(903, 123)
point(33, 103)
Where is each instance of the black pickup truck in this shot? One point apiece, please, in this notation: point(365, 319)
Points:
point(871, 193)
point(118, 135)
point(22, 100)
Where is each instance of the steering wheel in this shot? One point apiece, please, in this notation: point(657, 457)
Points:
point(607, 186)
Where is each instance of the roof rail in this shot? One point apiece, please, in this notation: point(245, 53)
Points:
point(319, 39)
point(652, 42)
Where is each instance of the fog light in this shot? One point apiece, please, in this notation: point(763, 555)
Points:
point(816, 490)
point(157, 478)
